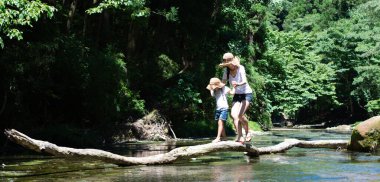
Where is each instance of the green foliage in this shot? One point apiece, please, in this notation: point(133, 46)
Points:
point(309, 59)
point(260, 108)
point(246, 15)
point(351, 46)
point(243, 18)
point(183, 99)
point(255, 126)
point(295, 74)
point(366, 33)
point(136, 7)
point(367, 84)
point(309, 16)
point(107, 93)
point(202, 128)
point(171, 15)
point(168, 66)
point(15, 14)
point(373, 107)
point(79, 80)
point(365, 29)
point(343, 36)
point(26, 76)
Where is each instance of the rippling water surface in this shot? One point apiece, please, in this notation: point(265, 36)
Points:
point(297, 164)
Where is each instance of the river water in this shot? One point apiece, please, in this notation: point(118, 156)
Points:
point(297, 164)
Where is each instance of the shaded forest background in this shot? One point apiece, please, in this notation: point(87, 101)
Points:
point(78, 71)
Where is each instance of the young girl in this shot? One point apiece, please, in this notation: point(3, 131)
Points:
point(219, 91)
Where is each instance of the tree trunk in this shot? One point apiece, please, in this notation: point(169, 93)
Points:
point(172, 156)
point(85, 22)
point(4, 102)
point(131, 42)
point(215, 10)
point(73, 7)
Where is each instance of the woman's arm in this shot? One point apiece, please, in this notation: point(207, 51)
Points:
point(243, 76)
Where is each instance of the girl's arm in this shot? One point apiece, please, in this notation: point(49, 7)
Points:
point(229, 91)
point(224, 81)
point(224, 77)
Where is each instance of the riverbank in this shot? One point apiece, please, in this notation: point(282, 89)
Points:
point(337, 129)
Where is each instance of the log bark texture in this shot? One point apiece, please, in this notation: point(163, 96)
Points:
point(172, 156)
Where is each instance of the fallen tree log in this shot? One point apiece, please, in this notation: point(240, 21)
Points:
point(172, 156)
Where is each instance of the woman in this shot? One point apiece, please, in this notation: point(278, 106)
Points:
point(235, 74)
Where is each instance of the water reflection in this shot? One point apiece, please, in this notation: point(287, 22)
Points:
point(143, 149)
point(243, 172)
point(357, 157)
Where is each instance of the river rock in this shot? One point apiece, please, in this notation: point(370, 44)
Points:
point(366, 135)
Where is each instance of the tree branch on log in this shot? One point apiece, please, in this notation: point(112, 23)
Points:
point(172, 156)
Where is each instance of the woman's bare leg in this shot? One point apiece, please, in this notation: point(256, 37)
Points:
point(242, 118)
point(235, 116)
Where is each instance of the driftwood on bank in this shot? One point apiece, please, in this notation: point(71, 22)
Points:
point(172, 156)
point(153, 126)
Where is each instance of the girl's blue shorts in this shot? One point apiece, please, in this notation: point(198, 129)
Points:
point(221, 114)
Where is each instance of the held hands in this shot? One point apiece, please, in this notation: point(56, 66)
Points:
point(232, 91)
point(234, 84)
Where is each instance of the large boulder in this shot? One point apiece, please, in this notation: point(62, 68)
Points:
point(366, 135)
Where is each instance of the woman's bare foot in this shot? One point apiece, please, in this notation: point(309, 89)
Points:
point(216, 140)
point(239, 139)
point(248, 137)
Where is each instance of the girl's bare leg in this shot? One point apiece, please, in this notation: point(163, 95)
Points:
point(220, 128)
point(223, 134)
point(220, 131)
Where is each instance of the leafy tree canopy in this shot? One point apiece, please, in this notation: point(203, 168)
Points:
point(17, 14)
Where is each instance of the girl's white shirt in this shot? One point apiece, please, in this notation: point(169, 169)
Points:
point(221, 98)
point(239, 77)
